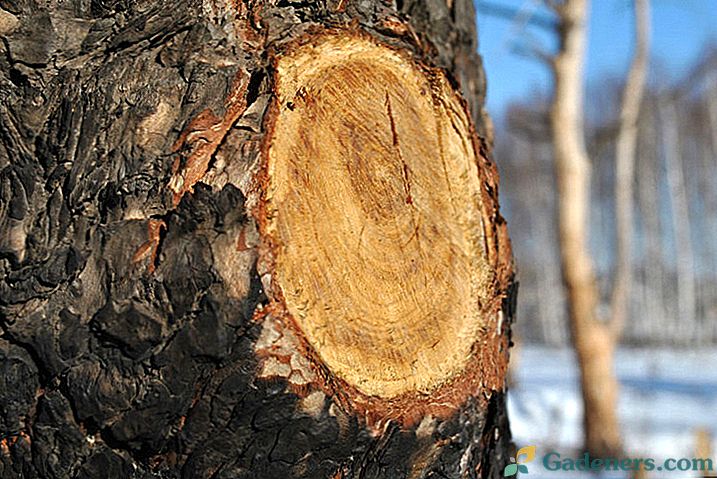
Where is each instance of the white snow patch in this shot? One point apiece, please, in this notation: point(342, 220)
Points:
point(665, 397)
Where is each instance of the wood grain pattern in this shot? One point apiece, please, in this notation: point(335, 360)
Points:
point(372, 222)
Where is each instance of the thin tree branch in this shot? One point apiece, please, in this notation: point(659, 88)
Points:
point(534, 52)
point(626, 146)
point(510, 13)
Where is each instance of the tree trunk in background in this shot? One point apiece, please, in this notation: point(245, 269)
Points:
point(625, 167)
point(679, 211)
point(648, 174)
point(150, 294)
point(593, 339)
point(710, 165)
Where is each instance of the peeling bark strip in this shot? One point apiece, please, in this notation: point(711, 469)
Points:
point(201, 140)
point(372, 216)
point(149, 293)
point(150, 247)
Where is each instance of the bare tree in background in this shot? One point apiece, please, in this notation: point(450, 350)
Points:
point(679, 208)
point(625, 166)
point(594, 340)
point(648, 196)
point(525, 155)
point(711, 157)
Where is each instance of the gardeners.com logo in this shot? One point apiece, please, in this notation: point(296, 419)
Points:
point(553, 462)
point(518, 462)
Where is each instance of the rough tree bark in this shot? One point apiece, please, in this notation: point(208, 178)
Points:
point(206, 212)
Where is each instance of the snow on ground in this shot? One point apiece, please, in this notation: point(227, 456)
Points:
point(665, 396)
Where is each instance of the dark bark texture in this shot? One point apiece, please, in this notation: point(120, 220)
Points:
point(127, 345)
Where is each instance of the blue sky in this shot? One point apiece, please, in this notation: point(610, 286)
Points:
point(680, 30)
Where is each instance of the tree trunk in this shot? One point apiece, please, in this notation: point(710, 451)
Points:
point(593, 339)
point(649, 180)
point(679, 213)
point(625, 167)
point(256, 239)
point(709, 164)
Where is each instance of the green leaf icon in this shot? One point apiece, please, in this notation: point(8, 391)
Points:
point(522, 469)
point(510, 470)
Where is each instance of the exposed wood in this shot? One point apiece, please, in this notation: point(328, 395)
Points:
point(373, 215)
point(704, 449)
